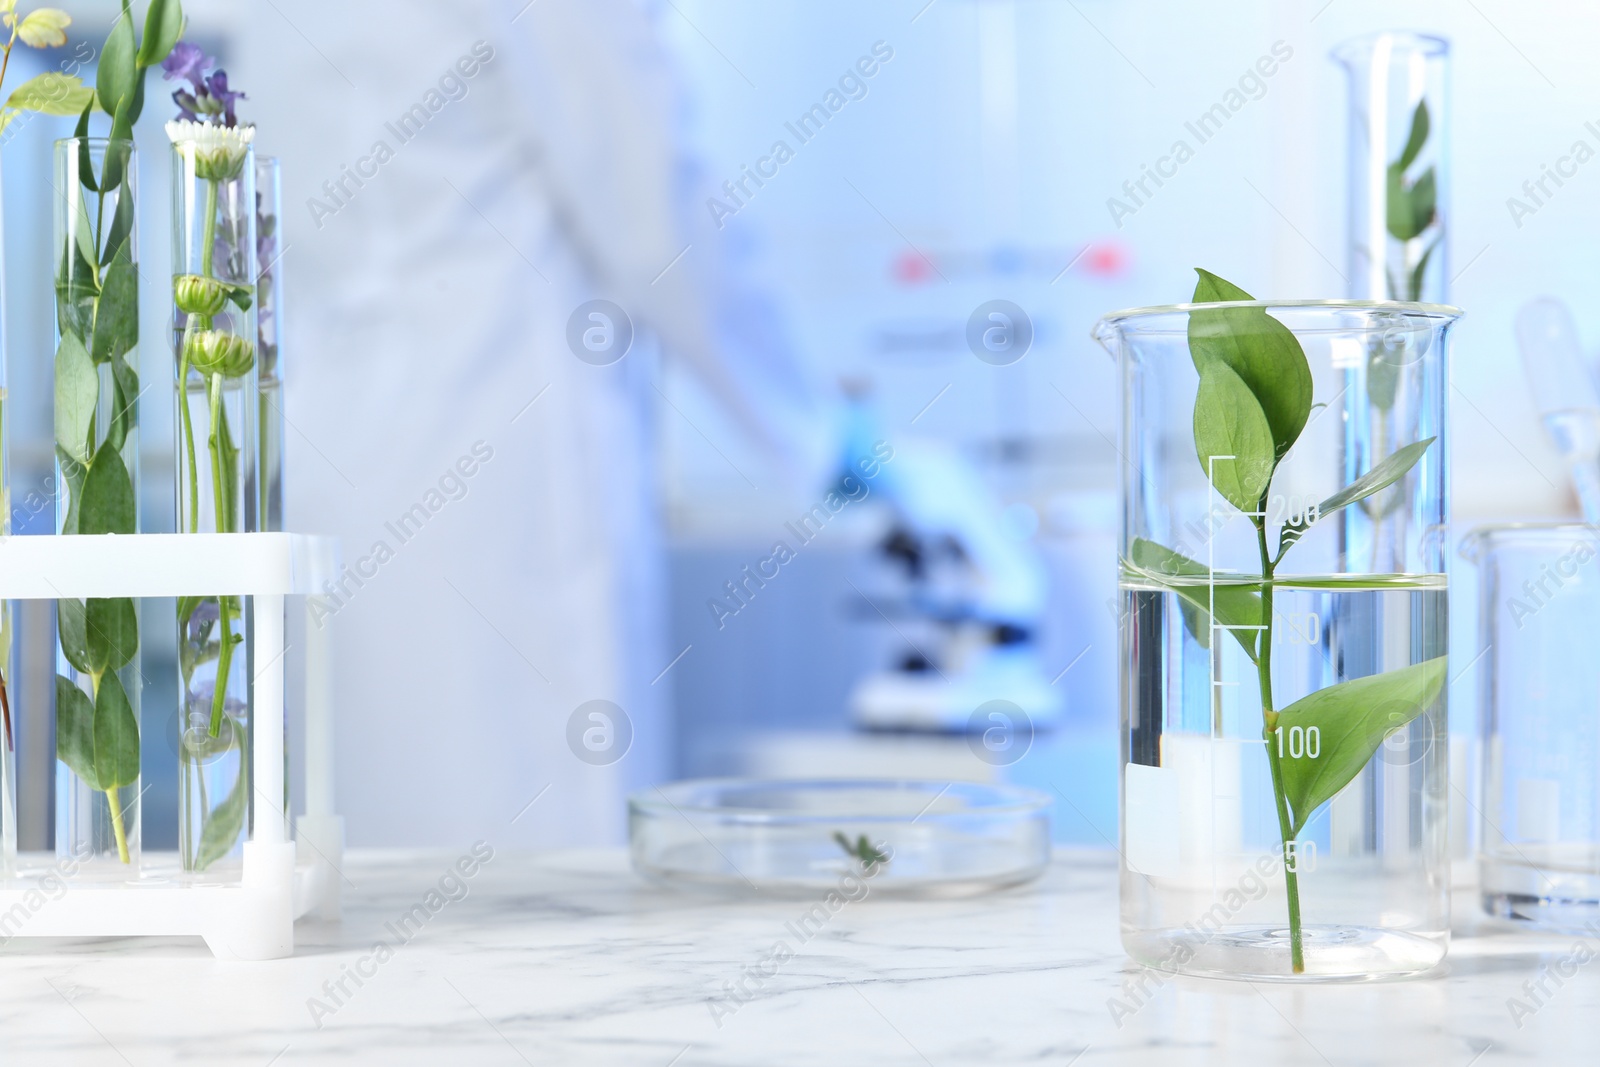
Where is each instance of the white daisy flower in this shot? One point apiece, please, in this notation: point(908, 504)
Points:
point(219, 151)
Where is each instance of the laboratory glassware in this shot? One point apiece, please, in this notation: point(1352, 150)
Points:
point(1284, 751)
point(1539, 715)
point(96, 407)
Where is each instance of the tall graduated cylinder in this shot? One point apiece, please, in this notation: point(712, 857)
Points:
point(96, 406)
point(215, 343)
point(1283, 637)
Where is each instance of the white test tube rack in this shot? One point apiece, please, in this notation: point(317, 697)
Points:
point(253, 918)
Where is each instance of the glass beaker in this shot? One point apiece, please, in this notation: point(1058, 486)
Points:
point(1539, 709)
point(1282, 699)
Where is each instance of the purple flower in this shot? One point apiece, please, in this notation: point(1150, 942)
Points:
point(188, 106)
point(206, 613)
point(217, 85)
point(186, 61)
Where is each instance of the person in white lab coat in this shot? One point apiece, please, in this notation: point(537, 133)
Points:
point(459, 179)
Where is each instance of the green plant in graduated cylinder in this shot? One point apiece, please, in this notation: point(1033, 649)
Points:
point(1411, 216)
point(96, 406)
point(1252, 404)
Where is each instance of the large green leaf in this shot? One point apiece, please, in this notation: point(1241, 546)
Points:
point(52, 93)
point(77, 391)
point(117, 72)
point(1261, 350)
point(116, 316)
point(111, 631)
point(116, 735)
point(163, 25)
point(1228, 422)
point(73, 629)
point(1417, 138)
point(1351, 719)
point(108, 504)
point(75, 731)
point(1238, 606)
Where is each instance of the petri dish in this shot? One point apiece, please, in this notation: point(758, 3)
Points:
point(759, 837)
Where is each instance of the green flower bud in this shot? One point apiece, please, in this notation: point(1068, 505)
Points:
point(219, 352)
point(221, 164)
point(198, 295)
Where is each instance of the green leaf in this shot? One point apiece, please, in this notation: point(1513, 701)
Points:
point(71, 626)
point(44, 28)
point(1410, 210)
point(1229, 422)
point(1352, 719)
point(241, 295)
point(136, 107)
point(1237, 605)
point(77, 392)
point(124, 402)
point(117, 73)
point(108, 504)
point(75, 731)
point(116, 313)
point(111, 628)
point(116, 735)
point(1383, 376)
point(1382, 475)
point(220, 832)
point(163, 25)
point(120, 146)
point(1260, 350)
point(121, 226)
point(74, 473)
point(1417, 138)
point(52, 93)
point(1424, 196)
point(85, 162)
point(1417, 273)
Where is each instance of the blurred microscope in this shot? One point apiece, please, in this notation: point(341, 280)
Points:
point(963, 593)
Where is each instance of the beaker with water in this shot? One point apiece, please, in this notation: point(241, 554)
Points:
point(1539, 713)
point(1283, 637)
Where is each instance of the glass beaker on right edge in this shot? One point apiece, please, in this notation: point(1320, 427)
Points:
point(1539, 710)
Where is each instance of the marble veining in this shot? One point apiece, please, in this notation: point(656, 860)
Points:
point(567, 958)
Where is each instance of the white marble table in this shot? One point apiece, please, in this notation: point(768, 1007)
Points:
point(565, 958)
